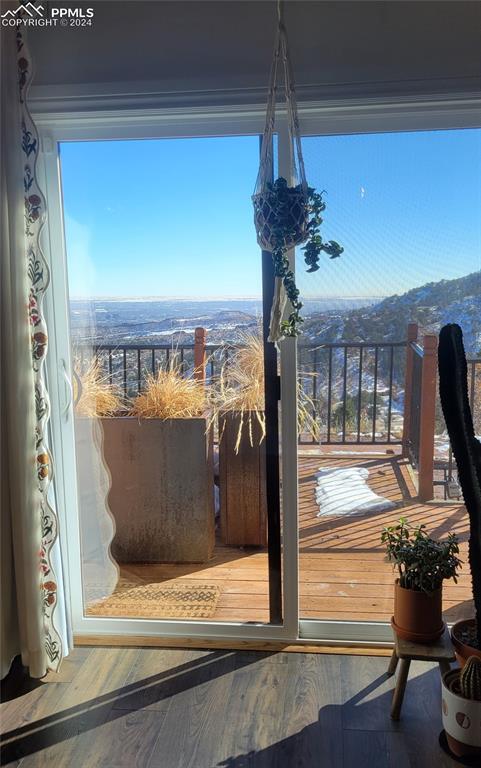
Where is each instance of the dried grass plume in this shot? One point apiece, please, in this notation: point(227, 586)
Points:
point(240, 389)
point(167, 395)
point(94, 396)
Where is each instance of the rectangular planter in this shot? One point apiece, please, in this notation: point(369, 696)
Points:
point(242, 486)
point(162, 492)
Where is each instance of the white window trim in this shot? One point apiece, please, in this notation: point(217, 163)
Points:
point(126, 121)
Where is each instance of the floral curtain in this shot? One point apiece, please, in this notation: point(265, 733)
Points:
point(29, 520)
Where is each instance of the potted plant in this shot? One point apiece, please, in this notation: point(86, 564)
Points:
point(238, 399)
point(461, 709)
point(422, 564)
point(284, 217)
point(160, 457)
point(453, 390)
point(238, 407)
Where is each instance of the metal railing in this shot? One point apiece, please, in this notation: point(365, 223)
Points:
point(352, 390)
point(128, 365)
point(357, 392)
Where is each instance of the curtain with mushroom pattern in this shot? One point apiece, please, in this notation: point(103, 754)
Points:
point(38, 280)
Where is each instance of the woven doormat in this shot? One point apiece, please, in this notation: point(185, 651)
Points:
point(175, 600)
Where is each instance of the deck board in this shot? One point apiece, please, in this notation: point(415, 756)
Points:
point(343, 572)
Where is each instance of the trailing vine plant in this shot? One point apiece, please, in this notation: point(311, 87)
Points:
point(295, 218)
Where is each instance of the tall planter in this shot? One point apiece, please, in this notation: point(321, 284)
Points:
point(453, 390)
point(242, 482)
point(162, 489)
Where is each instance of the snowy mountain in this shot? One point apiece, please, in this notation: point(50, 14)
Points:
point(431, 306)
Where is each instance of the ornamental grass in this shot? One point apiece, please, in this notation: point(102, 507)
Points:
point(239, 389)
point(168, 395)
point(94, 395)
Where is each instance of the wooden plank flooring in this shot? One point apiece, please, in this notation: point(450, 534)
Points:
point(175, 708)
point(343, 573)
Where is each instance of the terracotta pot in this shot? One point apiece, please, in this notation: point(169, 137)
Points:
point(417, 616)
point(463, 651)
point(461, 718)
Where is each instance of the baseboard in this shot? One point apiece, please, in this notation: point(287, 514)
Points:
point(143, 641)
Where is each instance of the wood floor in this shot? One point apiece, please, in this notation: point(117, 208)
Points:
point(154, 708)
point(343, 573)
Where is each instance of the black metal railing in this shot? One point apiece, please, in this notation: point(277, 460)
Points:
point(353, 391)
point(128, 365)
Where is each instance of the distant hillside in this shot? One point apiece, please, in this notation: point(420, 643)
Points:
point(431, 306)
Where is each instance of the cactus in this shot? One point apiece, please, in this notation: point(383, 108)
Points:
point(453, 390)
point(470, 679)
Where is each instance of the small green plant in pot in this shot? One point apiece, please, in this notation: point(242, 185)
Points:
point(422, 564)
point(461, 709)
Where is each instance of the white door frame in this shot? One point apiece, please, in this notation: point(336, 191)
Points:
point(130, 122)
point(128, 126)
point(373, 116)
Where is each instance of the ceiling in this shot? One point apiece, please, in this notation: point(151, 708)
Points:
point(203, 45)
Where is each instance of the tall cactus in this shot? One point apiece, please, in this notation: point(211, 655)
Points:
point(470, 679)
point(453, 389)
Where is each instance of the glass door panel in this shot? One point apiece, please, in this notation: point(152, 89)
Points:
point(405, 206)
point(165, 292)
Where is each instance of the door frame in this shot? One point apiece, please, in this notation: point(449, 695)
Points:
point(52, 133)
point(61, 119)
point(373, 116)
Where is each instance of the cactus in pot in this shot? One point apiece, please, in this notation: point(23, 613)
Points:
point(461, 710)
point(470, 679)
point(453, 390)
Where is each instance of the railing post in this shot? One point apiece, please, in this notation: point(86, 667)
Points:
point(427, 418)
point(408, 386)
point(199, 354)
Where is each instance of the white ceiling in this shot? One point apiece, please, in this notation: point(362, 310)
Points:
point(205, 45)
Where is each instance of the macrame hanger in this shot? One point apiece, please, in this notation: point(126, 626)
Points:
point(265, 166)
point(291, 102)
point(281, 48)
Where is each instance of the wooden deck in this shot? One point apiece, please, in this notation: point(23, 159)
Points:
point(343, 573)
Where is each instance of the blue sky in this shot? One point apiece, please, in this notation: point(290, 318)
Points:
point(174, 217)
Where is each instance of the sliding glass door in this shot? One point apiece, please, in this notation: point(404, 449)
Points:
point(373, 445)
point(174, 484)
point(159, 286)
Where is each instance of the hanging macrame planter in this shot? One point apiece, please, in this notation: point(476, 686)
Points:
point(287, 215)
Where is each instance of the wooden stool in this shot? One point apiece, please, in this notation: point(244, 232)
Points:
point(405, 651)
